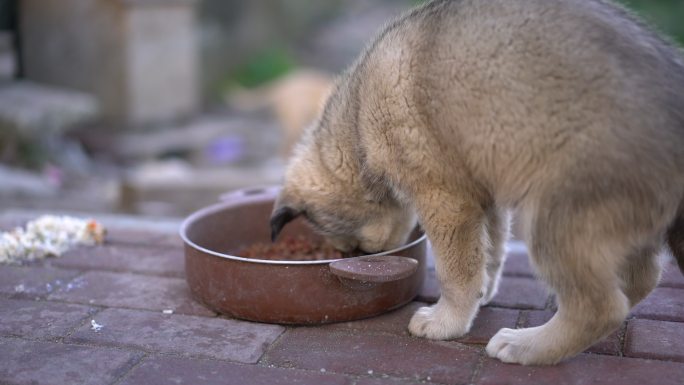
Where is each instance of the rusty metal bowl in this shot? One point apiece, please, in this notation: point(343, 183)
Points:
point(289, 292)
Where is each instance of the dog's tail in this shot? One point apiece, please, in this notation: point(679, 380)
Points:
point(675, 238)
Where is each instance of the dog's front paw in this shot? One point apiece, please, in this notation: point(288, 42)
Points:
point(438, 323)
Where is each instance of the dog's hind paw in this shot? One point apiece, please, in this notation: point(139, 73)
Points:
point(521, 346)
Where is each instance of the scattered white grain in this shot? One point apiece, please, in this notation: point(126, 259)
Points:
point(77, 283)
point(95, 326)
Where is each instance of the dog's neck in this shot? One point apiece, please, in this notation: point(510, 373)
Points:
point(342, 155)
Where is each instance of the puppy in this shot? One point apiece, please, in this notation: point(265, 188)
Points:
point(568, 112)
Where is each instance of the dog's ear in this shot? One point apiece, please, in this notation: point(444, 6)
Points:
point(281, 216)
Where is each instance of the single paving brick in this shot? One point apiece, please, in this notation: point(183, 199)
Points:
point(361, 354)
point(520, 293)
point(672, 276)
point(487, 322)
point(218, 338)
point(609, 345)
point(171, 240)
point(660, 340)
point(132, 291)
point(584, 369)
point(8, 223)
point(518, 263)
point(429, 293)
point(388, 381)
point(395, 322)
point(40, 319)
point(167, 370)
point(142, 238)
point(167, 261)
point(47, 363)
point(32, 280)
point(664, 303)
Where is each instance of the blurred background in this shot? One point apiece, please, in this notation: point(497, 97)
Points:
point(156, 107)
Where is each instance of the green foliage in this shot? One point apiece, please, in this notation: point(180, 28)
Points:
point(21, 152)
point(262, 67)
point(666, 15)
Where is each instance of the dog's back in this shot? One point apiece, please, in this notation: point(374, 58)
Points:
point(559, 80)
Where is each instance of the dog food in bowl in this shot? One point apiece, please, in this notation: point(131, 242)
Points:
point(292, 249)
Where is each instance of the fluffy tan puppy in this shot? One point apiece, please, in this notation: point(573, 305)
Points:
point(568, 112)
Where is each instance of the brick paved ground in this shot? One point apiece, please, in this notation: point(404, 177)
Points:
point(96, 316)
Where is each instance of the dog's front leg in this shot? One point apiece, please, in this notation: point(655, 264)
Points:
point(455, 225)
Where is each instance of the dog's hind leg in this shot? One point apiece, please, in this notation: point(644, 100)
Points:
point(579, 257)
point(640, 273)
point(675, 238)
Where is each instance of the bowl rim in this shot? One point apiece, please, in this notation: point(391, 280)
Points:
point(199, 214)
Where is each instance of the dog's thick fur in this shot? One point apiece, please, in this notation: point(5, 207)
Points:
point(569, 112)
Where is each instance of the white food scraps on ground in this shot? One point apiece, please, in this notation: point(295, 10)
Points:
point(48, 235)
point(167, 311)
point(95, 326)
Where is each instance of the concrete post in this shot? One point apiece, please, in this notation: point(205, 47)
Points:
point(138, 57)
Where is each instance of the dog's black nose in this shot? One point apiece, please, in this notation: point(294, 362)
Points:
point(280, 218)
